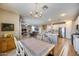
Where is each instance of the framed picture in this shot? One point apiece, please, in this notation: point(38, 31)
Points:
point(7, 27)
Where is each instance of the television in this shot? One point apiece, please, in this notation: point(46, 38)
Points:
point(77, 27)
point(7, 27)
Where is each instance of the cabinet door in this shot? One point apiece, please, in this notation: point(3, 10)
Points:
point(4, 46)
point(10, 44)
point(76, 43)
point(0, 45)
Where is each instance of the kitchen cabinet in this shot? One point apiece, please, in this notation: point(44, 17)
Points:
point(76, 42)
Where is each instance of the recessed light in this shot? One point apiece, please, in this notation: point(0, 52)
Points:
point(63, 14)
point(49, 19)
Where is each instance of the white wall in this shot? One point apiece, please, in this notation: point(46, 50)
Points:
point(75, 23)
point(69, 29)
point(9, 17)
point(77, 20)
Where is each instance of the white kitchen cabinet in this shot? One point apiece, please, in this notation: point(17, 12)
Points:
point(76, 43)
point(53, 37)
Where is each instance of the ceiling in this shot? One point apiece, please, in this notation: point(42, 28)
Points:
point(53, 12)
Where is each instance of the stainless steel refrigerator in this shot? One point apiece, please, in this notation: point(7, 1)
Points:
point(62, 32)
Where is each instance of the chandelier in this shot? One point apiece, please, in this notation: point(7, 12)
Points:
point(38, 12)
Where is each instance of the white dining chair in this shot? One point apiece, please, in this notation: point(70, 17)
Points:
point(20, 49)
